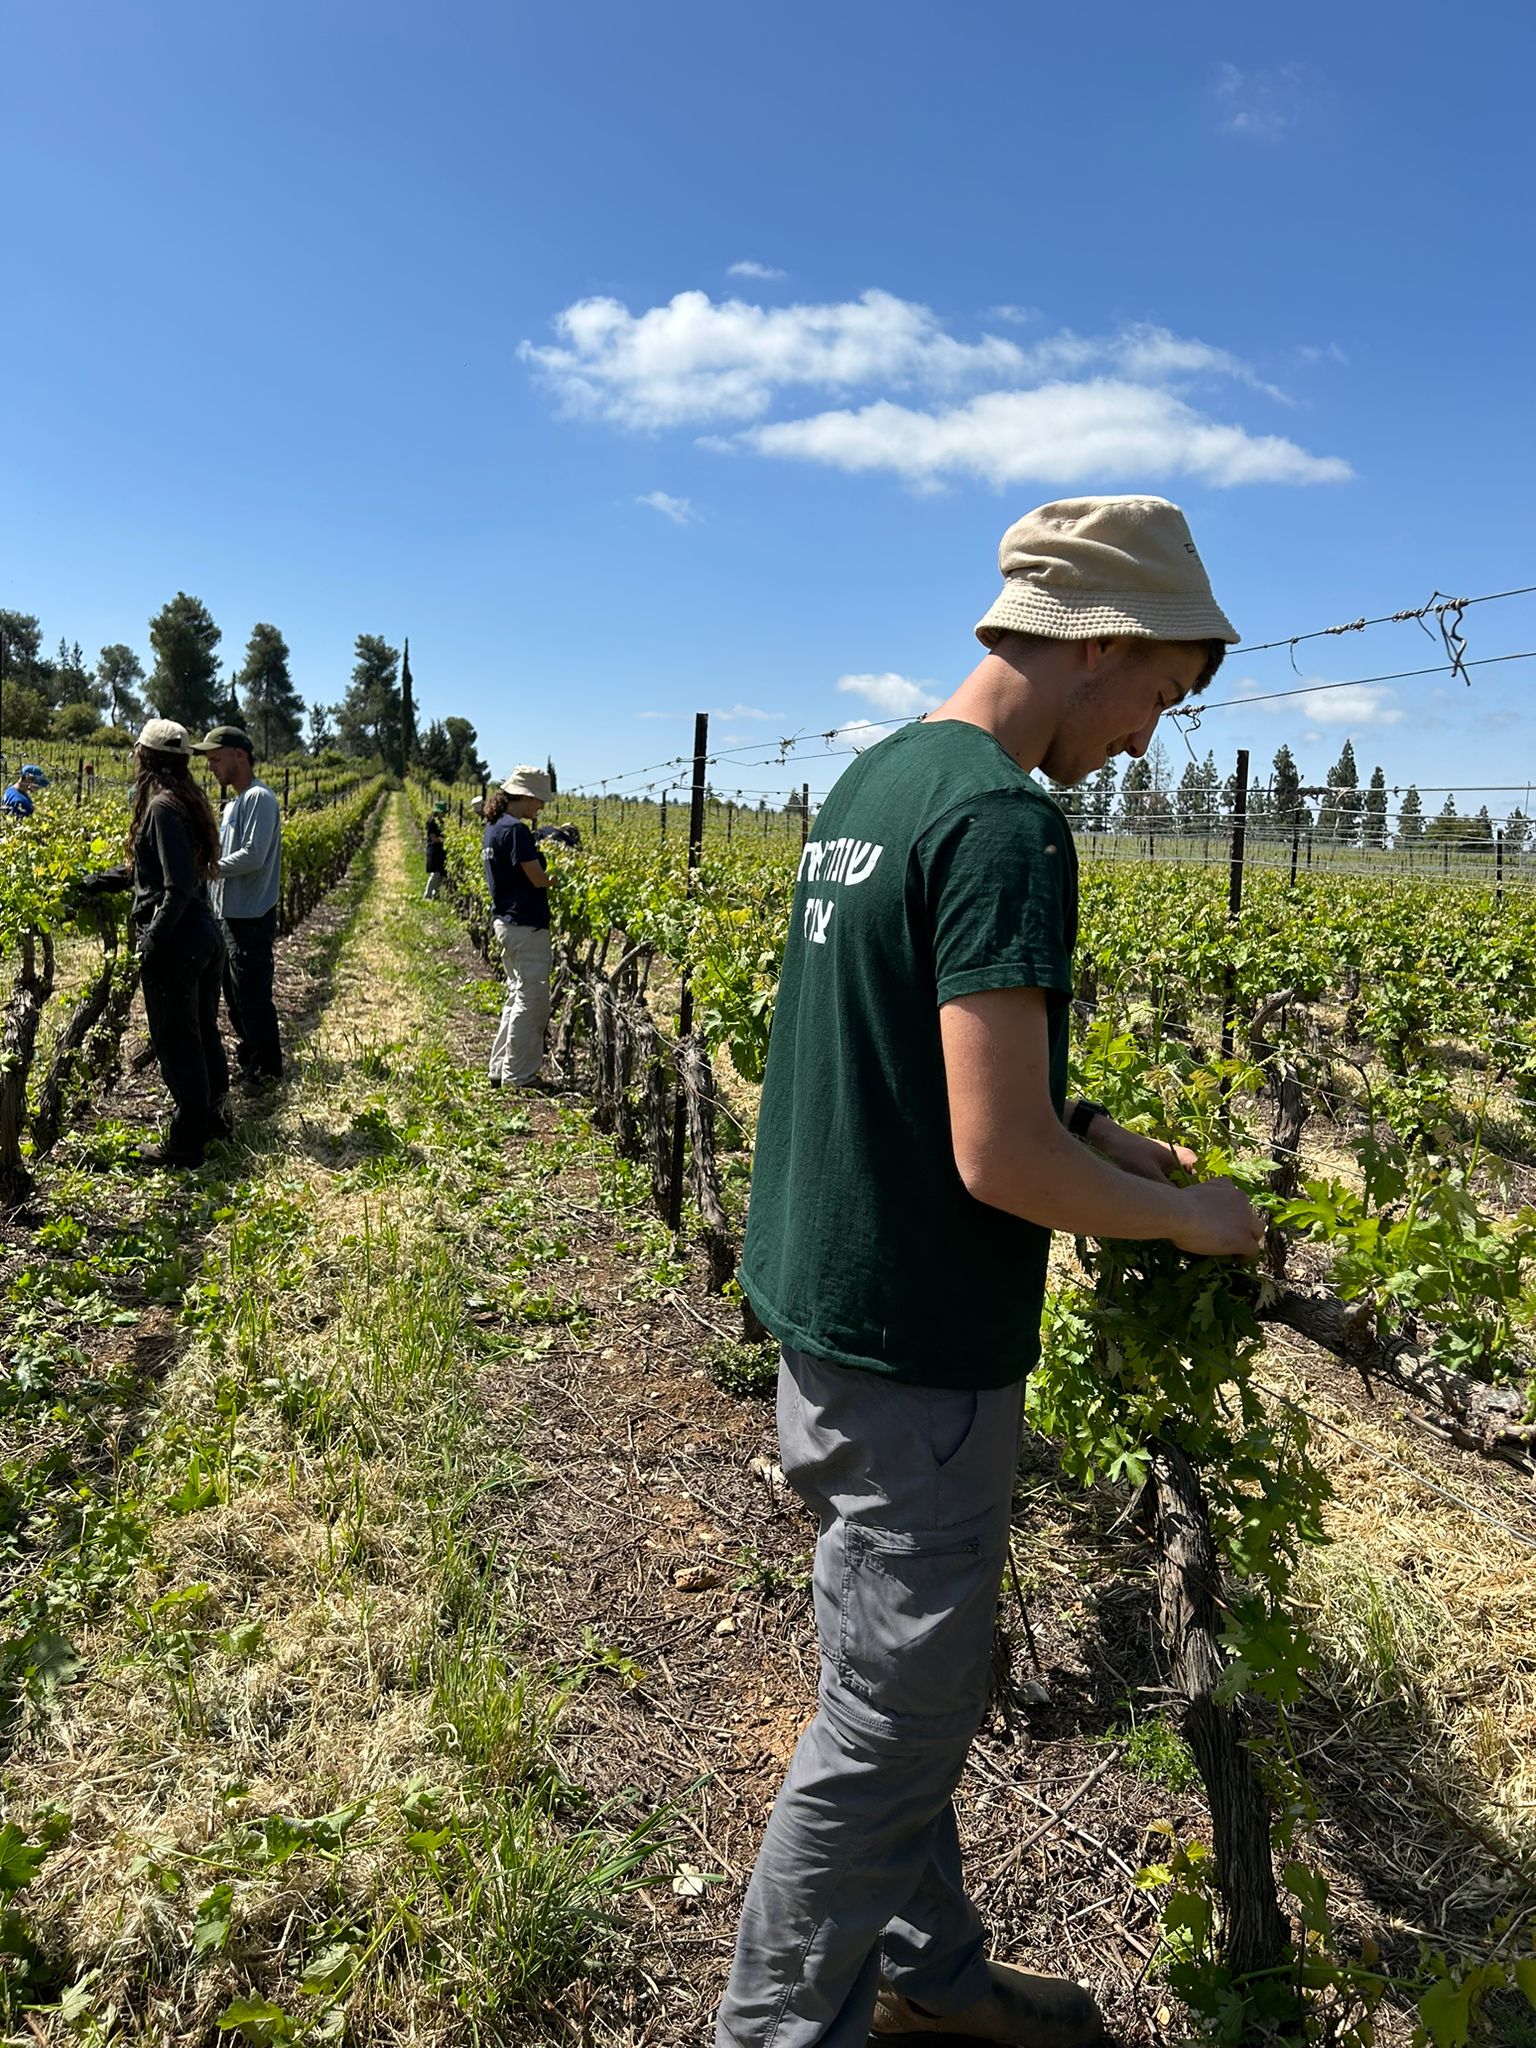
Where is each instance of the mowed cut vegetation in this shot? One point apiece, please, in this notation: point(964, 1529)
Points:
point(268, 1767)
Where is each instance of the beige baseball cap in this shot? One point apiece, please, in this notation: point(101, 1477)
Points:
point(165, 736)
point(1089, 567)
point(528, 782)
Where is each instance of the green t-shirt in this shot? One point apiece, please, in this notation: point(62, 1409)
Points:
point(938, 869)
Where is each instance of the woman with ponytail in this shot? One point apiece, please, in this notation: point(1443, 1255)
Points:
point(173, 849)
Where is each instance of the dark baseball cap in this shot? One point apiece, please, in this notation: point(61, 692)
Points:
point(225, 736)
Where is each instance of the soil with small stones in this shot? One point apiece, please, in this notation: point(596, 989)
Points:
point(654, 1540)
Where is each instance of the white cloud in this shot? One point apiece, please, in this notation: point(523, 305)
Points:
point(913, 399)
point(895, 695)
point(746, 711)
point(765, 271)
point(1263, 106)
point(692, 361)
point(679, 510)
point(1056, 434)
point(1145, 354)
point(1328, 352)
point(1014, 316)
point(1355, 704)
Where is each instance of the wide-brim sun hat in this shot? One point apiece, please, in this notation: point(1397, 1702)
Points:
point(165, 736)
point(528, 782)
point(1089, 568)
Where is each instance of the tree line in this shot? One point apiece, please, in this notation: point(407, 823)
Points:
point(63, 697)
point(1339, 812)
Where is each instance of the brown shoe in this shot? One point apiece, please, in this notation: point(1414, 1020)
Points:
point(1020, 2010)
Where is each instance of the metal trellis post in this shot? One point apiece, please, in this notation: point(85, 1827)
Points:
point(685, 1001)
point(1235, 895)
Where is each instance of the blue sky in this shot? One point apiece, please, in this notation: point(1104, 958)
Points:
point(634, 360)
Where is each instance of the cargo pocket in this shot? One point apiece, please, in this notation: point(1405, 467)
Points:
point(915, 1640)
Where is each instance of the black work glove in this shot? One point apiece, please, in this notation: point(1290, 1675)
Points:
point(148, 945)
point(97, 885)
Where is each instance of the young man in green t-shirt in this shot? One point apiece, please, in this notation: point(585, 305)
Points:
point(915, 1150)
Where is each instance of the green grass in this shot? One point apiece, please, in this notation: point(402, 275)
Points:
point(264, 1618)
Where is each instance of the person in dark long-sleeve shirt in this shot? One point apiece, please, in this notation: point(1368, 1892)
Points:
point(173, 846)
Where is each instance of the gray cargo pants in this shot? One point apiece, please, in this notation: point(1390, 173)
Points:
point(859, 1874)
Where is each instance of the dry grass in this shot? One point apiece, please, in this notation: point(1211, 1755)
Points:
point(313, 1631)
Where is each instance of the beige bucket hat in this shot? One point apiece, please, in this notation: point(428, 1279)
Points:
point(1086, 567)
point(165, 736)
point(528, 782)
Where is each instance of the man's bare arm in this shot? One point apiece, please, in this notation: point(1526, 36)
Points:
point(1013, 1153)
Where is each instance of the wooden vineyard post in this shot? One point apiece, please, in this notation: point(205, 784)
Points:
point(805, 812)
point(1295, 845)
point(730, 820)
point(1498, 867)
point(1235, 894)
point(79, 782)
point(664, 795)
point(685, 1002)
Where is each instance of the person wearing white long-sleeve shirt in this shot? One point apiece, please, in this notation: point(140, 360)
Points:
point(246, 889)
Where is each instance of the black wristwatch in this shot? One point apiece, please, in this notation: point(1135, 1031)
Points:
point(1083, 1114)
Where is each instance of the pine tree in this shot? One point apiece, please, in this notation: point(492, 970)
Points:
point(1258, 811)
point(1135, 792)
point(1374, 832)
point(118, 674)
point(1340, 815)
point(1101, 799)
point(1068, 799)
point(271, 709)
point(1410, 818)
point(1159, 800)
point(1210, 789)
point(1517, 829)
point(185, 684)
point(368, 717)
point(21, 646)
point(1189, 801)
point(549, 770)
point(1446, 823)
point(1287, 791)
point(71, 682)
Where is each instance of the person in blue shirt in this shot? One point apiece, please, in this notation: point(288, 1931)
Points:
point(246, 890)
point(17, 801)
point(518, 884)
